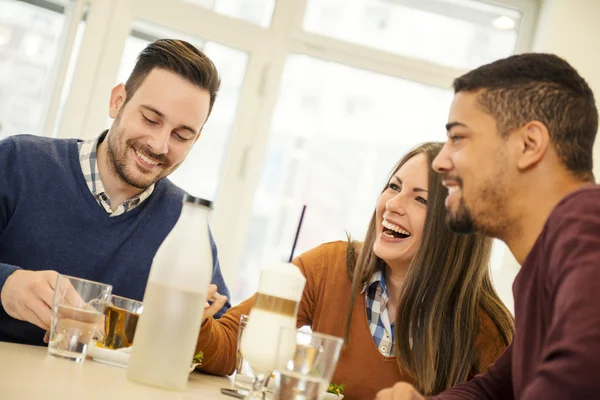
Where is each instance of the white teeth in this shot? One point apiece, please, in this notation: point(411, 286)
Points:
point(146, 159)
point(389, 235)
point(452, 189)
point(394, 227)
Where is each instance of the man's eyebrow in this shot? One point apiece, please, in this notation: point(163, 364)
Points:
point(451, 125)
point(161, 115)
point(154, 110)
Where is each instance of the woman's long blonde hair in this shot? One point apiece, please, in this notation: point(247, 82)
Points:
point(446, 288)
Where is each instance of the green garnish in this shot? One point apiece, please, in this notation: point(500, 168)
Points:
point(336, 389)
point(198, 358)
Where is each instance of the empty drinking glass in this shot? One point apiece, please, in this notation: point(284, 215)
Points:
point(306, 364)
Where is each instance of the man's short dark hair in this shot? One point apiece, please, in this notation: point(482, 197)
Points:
point(540, 87)
point(179, 57)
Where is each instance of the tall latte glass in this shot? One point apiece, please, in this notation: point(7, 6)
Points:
point(275, 307)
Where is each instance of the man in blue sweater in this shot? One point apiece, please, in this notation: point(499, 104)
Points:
point(99, 209)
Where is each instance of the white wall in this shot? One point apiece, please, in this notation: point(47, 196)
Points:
point(569, 29)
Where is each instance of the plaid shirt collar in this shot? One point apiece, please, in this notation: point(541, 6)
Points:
point(379, 322)
point(89, 165)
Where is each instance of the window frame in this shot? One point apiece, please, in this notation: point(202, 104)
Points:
point(108, 24)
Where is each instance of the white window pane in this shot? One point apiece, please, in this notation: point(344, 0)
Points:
point(455, 33)
point(201, 171)
point(336, 134)
point(69, 76)
point(504, 270)
point(29, 49)
point(258, 12)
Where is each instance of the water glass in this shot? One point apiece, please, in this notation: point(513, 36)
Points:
point(306, 364)
point(77, 312)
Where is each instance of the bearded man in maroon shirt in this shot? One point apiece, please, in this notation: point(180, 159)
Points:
point(518, 167)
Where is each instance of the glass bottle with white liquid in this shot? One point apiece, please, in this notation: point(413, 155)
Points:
point(167, 330)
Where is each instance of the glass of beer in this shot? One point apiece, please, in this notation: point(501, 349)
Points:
point(307, 372)
point(120, 320)
point(77, 311)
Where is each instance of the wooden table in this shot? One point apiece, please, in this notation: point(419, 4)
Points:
point(26, 372)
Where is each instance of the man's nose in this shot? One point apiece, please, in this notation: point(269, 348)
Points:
point(159, 141)
point(442, 162)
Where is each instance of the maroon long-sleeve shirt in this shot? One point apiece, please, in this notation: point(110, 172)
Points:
point(555, 353)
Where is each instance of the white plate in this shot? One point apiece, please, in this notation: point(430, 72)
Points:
point(245, 381)
point(331, 396)
point(117, 358)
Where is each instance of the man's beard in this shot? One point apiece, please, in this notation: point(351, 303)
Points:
point(117, 159)
point(462, 220)
point(490, 218)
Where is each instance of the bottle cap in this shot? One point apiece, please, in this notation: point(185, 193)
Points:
point(188, 198)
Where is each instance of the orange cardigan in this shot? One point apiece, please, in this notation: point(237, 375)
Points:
point(324, 307)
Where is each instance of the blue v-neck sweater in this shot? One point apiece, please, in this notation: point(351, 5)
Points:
point(49, 220)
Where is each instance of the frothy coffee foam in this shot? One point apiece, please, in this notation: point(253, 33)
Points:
point(282, 280)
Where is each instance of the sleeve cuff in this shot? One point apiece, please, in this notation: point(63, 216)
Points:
point(5, 271)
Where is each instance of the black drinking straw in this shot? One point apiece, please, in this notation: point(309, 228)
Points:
point(297, 233)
